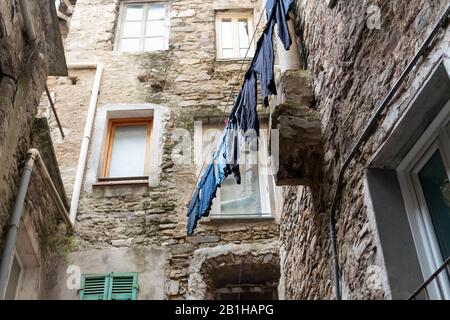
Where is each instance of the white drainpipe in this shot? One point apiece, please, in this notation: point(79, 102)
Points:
point(289, 59)
point(87, 133)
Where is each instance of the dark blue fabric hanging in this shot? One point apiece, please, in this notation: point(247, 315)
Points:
point(277, 11)
point(244, 112)
point(208, 188)
point(221, 159)
point(243, 117)
point(193, 212)
point(263, 63)
point(201, 201)
point(233, 148)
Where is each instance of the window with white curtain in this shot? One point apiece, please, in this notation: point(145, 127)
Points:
point(144, 26)
point(234, 30)
point(127, 149)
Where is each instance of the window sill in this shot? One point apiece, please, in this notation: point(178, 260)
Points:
point(140, 53)
point(234, 59)
point(239, 218)
point(122, 182)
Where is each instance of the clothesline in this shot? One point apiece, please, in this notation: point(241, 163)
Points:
point(230, 97)
point(243, 122)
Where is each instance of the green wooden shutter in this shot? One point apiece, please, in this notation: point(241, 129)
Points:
point(113, 286)
point(123, 286)
point(94, 287)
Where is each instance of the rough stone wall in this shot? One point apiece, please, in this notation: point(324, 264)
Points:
point(22, 76)
point(189, 81)
point(23, 73)
point(353, 68)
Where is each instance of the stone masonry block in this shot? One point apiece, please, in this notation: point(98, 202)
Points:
point(299, 129)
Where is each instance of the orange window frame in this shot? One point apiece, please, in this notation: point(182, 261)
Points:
point(112, 125)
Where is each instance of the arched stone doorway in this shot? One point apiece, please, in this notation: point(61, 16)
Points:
point(235, 272)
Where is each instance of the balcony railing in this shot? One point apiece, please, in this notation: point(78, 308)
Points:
point(423, 289)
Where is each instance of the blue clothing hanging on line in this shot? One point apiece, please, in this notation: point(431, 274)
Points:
point(244, 111)
point(263, 63)
point(221, 159)
point(193, 215)
point(279, 15)
point(243, 123)
point(201, 202)
point(208, 188)
point(232, 147)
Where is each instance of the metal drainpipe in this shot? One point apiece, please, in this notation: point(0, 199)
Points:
point(52, 105)
point(367, 131)
point(87, 133)
point(27, 19)
point(10, 243)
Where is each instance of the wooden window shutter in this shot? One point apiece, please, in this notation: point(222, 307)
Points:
point(94, 287)
point(113, 286)
point(123, 286)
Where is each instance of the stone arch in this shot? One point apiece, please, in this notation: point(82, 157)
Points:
point(229, 271)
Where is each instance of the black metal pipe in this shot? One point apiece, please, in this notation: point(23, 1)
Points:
point(54, 111)
point(334, 259)
point(366, 133)
point(332, 4)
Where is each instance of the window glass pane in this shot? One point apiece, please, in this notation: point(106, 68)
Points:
point(134, 12)
point(243, 52)
point(243, 199)
point(244, 36)
point(156, 43)
point(436, 188)
point(227, 33)
point(132, 29)
point(130, 45)
point(13, 281)
point(155, 28)
point(156, 11)
point(227, 53)
point(128, 151)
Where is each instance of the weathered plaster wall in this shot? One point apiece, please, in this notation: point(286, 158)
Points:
point(185, 80)
point(22, 76)
point(149, 263)
point(352, 68)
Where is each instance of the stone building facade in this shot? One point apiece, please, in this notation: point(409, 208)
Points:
point(355, 51)
point(30, 49)
point(385, 212)
point(139, 225)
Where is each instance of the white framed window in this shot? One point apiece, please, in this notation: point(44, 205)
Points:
point(143, 26)
point(254, 197)
point(234, 30)
point(15, 278)
point(127, 148)
point(424, 177)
